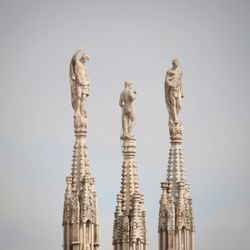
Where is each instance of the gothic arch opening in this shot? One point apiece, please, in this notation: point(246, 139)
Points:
point(183, 238)
point(88, 231)
point(138, 244)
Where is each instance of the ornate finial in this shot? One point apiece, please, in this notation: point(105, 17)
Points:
point(173, 96)
point(127, 97)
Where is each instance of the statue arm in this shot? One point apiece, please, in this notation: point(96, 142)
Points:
point(167, 80)
point(132, 94)
point(76, 54)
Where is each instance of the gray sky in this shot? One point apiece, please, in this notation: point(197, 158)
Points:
point(133, 40)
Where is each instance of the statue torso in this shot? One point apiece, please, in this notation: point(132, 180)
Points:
point(128, 97)
point(81, 72)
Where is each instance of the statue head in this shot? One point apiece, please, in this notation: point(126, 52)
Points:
point(175, 63)
point(128, 84)
point(84, 58)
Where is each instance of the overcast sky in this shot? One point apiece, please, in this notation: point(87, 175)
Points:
point(134, 40)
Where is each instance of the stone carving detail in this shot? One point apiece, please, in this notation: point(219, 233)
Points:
point(176, 221)
point(174, 91)
point(175, 131)
point(80, 214)
point(80, 124)
point(127, 97)
point(79, 82)
point(129, 229)
point(175, 213)
point(80, 204)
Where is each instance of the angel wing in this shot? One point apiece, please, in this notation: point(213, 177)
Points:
point(73, 82)
point(167, 97)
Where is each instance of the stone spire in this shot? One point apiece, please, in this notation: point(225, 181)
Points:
point(129, 229)
point(176, 220)
point(80, 215)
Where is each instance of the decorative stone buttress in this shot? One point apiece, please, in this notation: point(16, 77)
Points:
point(176, 220)
point(80, 215)
point(129, 229)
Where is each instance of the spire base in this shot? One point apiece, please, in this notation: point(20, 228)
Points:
point(129, 147)
point(129, 228)
point(175, 132)
point(176, 220)
point(80, 125)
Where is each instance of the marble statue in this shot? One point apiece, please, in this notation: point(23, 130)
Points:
point(174, 91)
point(127, 97)
point(79, 82)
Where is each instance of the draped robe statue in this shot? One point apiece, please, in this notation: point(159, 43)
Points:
point(127, 97)
point(79, 82)
point(174, 91)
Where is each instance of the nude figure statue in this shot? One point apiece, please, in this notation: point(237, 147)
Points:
point(127, 97)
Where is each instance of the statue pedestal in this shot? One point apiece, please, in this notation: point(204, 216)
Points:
point(175, 132)
point(130, 217)
point(129, 147)
point(176, 220)
point(80, 125)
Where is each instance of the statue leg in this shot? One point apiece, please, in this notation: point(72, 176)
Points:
point(124, 124)
point(83, 104)
point(78, 101)
point(132, 123)
point(178, 105)
point(173, 109)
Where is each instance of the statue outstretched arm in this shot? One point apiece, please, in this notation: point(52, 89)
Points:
point(76, 53)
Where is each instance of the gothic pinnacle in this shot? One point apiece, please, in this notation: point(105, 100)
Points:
point(176, 223)
point(129, 229)
point(80, 215)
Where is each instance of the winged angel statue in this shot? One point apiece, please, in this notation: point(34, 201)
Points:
point(79, 82)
